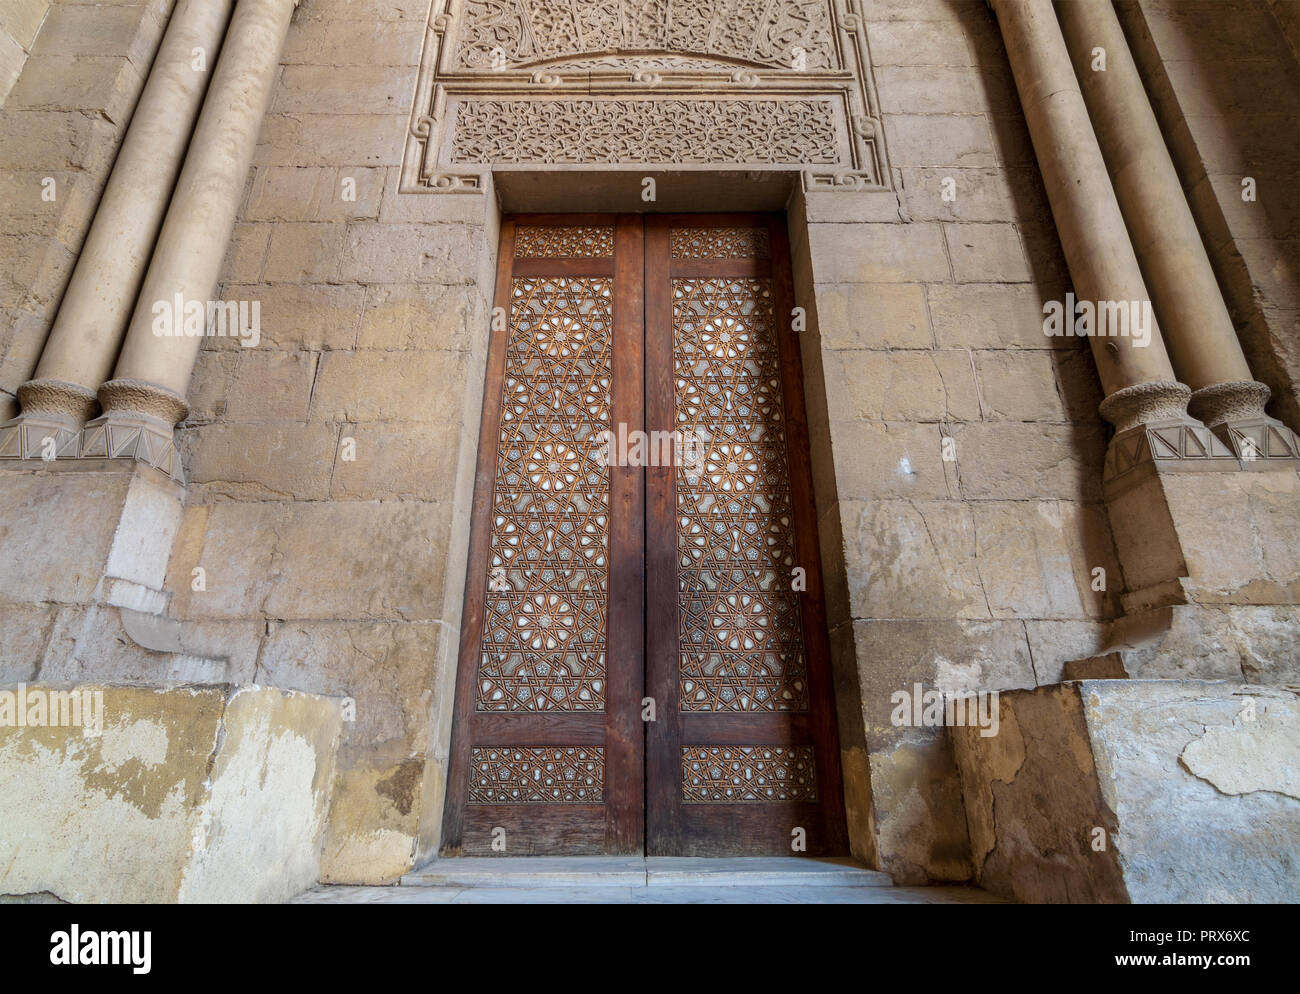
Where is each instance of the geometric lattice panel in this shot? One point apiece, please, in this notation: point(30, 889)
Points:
point(538, 241)
point(543, 644)
point(719, 243)
point(543, 775)
point(731, 774)
point(741, 636)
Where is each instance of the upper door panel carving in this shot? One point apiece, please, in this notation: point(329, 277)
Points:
point(631, 84)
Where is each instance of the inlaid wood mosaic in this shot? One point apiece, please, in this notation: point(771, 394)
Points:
point(539, 241)
point(719, 243)
point(543, 644)
point(730, 774)
point(544, 775)
point(740, 639)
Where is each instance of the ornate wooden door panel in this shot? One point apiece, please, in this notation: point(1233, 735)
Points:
point(595, 585)
point(547, 745)
point(745, 758)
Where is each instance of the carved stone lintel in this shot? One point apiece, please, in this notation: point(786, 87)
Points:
point(1147, 403)
point(510, 85)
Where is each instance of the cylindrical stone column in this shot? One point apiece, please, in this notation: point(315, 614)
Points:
point(1138, 380)
point(87, 332)
point(1202, 342)
point(146, 396)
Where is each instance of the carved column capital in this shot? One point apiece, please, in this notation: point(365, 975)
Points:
point(138, 423)
point(1234, 411)
point(143, 398)
point(1232, 401)
point(58, 398)
point(1146, 403)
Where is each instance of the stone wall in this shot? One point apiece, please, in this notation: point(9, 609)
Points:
point(974, 572)
point(19, 23)
point(166, 794)
point(331, 465)
point(957, 450)
point(1137, 790)
point(62, 122)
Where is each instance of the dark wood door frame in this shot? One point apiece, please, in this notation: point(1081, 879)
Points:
point(643, 809)
point(674, 827)
point(617, 825)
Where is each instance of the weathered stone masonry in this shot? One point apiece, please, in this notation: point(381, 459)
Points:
point(305, 526)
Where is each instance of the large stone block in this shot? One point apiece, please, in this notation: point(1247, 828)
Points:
point(878, 253)
point(900, 386)
point(303, 253)
point(1019, 386)
point(928, 140)
point(1037, 559)
point(260, 461)
point(1145, 791)
point(986, 253)
point(872, 316)
point(324, 139)
point(305, 193)
point(364, 89)
point(406, 253)
point(311, 316)
point(419, 316)
point(911, 559)
point(389, 386)
point(109, 85)
point(190, 794)
point(70, 529)
point(354, 42)
point(398, 460)
point(876, 459)
point(333, 560)
point(993, 316)
point(1016, 460)
point(945, 90)
point(22, 19)
point(1209, 537)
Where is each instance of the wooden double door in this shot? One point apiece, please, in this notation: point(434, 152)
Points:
point(643, 660)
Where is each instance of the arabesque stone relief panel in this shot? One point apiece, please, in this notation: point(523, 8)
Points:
point(631, 84)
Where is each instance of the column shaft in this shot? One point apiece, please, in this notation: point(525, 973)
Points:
point(1202, 342)
point(87, 332)
point(1102, 262)
point(191, 248)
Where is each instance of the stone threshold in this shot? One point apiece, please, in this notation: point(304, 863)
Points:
point(641, 880)
point(640, 871)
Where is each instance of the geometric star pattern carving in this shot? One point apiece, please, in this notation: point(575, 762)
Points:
point(543, 644)
point(741, 636)
point(728, 774)
point(543, 775)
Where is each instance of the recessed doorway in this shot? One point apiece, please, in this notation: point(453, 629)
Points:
point(644, 664)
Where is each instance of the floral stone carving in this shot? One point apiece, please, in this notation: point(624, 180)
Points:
point(627, 84)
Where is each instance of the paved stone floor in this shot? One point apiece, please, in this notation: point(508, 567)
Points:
point(615, 880)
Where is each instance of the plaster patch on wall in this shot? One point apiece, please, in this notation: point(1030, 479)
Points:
point(1249, 755)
